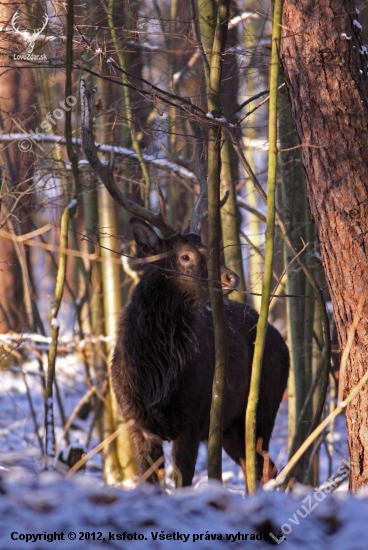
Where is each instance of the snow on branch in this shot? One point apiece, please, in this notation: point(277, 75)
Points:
point(42, 342)
point(162, 164)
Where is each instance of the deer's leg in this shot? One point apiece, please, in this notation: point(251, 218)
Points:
point(233, 441)
point(148, 453)
point(184, 452)
point(234, 445)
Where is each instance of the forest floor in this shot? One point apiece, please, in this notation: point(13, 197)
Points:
point(46, 507)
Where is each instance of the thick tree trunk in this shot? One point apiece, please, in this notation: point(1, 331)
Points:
point(16, 106)
point(325, 68)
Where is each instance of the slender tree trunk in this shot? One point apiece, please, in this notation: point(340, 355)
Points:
point(128, 103)
point(325, 67)
point(68, 212)
point(214, 237)
point(259, 344)
point(119, 458)
point(230, 219)
point(293, 201)
point(254, 228)
point(119, 462)
point(317, 356)
point(230, 216)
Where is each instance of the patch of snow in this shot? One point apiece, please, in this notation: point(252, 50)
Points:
point(43, 503)
point(145, 45)
point(239, 18)
point(55, 323)
point(72, 204)
point(222, 120)
point(209, 517)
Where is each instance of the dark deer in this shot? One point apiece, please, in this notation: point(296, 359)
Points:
point(163, 363)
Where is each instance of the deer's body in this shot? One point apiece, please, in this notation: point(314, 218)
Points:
point(163, 364)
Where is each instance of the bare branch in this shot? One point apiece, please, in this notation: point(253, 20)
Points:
point(179, 168)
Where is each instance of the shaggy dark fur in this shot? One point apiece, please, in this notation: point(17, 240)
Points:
point(163, 363)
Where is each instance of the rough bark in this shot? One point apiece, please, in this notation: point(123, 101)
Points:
point(325, 66)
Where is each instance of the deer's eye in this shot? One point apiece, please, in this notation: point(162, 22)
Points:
point(185, 258)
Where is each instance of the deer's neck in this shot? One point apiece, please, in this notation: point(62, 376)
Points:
point(159, 329)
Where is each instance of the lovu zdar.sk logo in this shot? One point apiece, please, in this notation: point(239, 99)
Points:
point(29, 37)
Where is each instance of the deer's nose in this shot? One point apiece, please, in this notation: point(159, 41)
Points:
point(230, 279)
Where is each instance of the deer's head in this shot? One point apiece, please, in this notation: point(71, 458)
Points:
point(182, 256)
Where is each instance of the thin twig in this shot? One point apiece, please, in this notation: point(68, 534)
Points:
point(257, 107)
point(290, 264)
point(67, 425)
point(246, 102)
point(259, 252)
point(97, 449)
point(242, 203)
point(151, 469)
point(349, 343)
point(33, 412)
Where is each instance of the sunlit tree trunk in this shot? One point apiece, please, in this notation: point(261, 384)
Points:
point(229, 171)
point(119, 459)
point(325, 68)
point(259, 344)
point(119, 462)
point(254, 227)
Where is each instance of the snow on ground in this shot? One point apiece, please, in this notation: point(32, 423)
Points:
point(84, 514)
point(43, 503)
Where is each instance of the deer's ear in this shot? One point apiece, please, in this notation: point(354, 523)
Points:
point(145, 237)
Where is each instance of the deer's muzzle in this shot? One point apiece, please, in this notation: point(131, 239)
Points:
point(229, 280)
